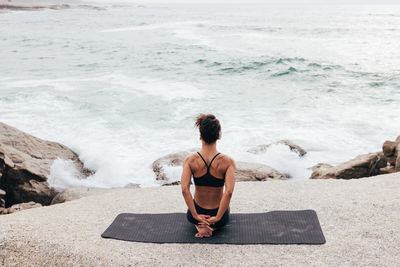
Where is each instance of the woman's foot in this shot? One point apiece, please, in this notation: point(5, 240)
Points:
point(203, 231)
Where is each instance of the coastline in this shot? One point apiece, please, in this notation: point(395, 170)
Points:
point(359, 218)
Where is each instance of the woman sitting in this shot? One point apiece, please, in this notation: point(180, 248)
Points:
point(209, 209)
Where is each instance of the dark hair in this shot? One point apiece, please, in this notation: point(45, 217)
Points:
point(209, 127)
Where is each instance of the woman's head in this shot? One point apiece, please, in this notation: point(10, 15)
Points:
point(209, 126)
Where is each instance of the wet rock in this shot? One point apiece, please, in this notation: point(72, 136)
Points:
point(292, 146)
point(16, 7)
point(77, 193)
point(171, 183)
point(23, 206)
point(391, 150)
point(25, 163)
point(361, 166)
point(387, 169)
point(397, 163)
point(247, 171)
point(173, 159)
point(132, 185)
point(29, 7)
point(2, 201)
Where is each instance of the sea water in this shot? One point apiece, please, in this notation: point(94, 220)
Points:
point(122, 86)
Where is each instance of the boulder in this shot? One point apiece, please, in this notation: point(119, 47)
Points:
point(292, 146)
point(171, 183)
point(173, 159)
point(25, 163)
point(397, 163)
point(386, 170)
point(361, 166)
point(2, 201)
point(389, 150)
point(247, 171)
point(76, 193)
point(23, 206)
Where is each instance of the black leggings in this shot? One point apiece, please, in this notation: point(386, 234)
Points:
point(224, 220)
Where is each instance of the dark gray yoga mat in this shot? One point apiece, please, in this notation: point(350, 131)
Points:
point(275, 227)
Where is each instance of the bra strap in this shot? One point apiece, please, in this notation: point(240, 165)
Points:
point(213, 159)
point(203, 159)
point(205, 162)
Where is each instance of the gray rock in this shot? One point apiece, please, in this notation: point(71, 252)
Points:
point(359, 167)
point(2, 201)
point(76, 193)
point(247, 171)
point(171, 183)
point(25, 163)
point(292, 146)
point(397, 163)
point(23, 206)
point(173, 159)
point(132, 185)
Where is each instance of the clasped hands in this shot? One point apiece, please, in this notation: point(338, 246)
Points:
point(207, 220)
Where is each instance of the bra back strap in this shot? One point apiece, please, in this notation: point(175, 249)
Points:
point(213, 159)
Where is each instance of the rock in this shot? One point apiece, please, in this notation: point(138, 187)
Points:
point(321, 166)
point(91, 7)
point(23, 206)
point(29, 7)
point(397, 163)
point(3, 211)
point(387, 169)
point(171, 183)
point(2, 201)
point(14, 7)
point(246, 171)
point(132, 185)
point(76, 193)
point(173, 159)
point(361, 166)
point(389, 150)
point(293, 147)
point(25, 162)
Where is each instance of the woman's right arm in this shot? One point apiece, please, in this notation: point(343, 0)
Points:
point(185, 185)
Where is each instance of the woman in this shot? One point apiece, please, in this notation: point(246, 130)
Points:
point(209, 209)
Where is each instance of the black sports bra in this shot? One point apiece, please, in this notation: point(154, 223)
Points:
point(207, 179)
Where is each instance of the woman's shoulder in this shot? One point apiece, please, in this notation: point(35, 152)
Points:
point(226, 160)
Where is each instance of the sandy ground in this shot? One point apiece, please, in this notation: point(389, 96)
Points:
point(360, 219)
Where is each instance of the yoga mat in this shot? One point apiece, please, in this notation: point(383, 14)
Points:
point(275, 227)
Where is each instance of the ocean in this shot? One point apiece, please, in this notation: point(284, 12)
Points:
point(122, 86)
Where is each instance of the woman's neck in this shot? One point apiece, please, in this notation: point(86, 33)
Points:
point(208, 149)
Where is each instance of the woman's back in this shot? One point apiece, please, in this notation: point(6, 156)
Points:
point(209, 171)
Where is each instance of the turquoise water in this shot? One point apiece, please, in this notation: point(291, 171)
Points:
point(122, 86)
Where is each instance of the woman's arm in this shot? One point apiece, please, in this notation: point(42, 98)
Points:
point(226, 197)
point(185, 185)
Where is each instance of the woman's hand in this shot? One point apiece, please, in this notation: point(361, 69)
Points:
point(213, 220)
point(203, 220)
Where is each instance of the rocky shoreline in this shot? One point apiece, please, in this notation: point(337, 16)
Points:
point(6, 6)
point(25, 163)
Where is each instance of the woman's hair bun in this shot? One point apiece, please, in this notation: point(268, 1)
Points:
point(209, 127)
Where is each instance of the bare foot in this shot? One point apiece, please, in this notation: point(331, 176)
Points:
point(203, 231)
